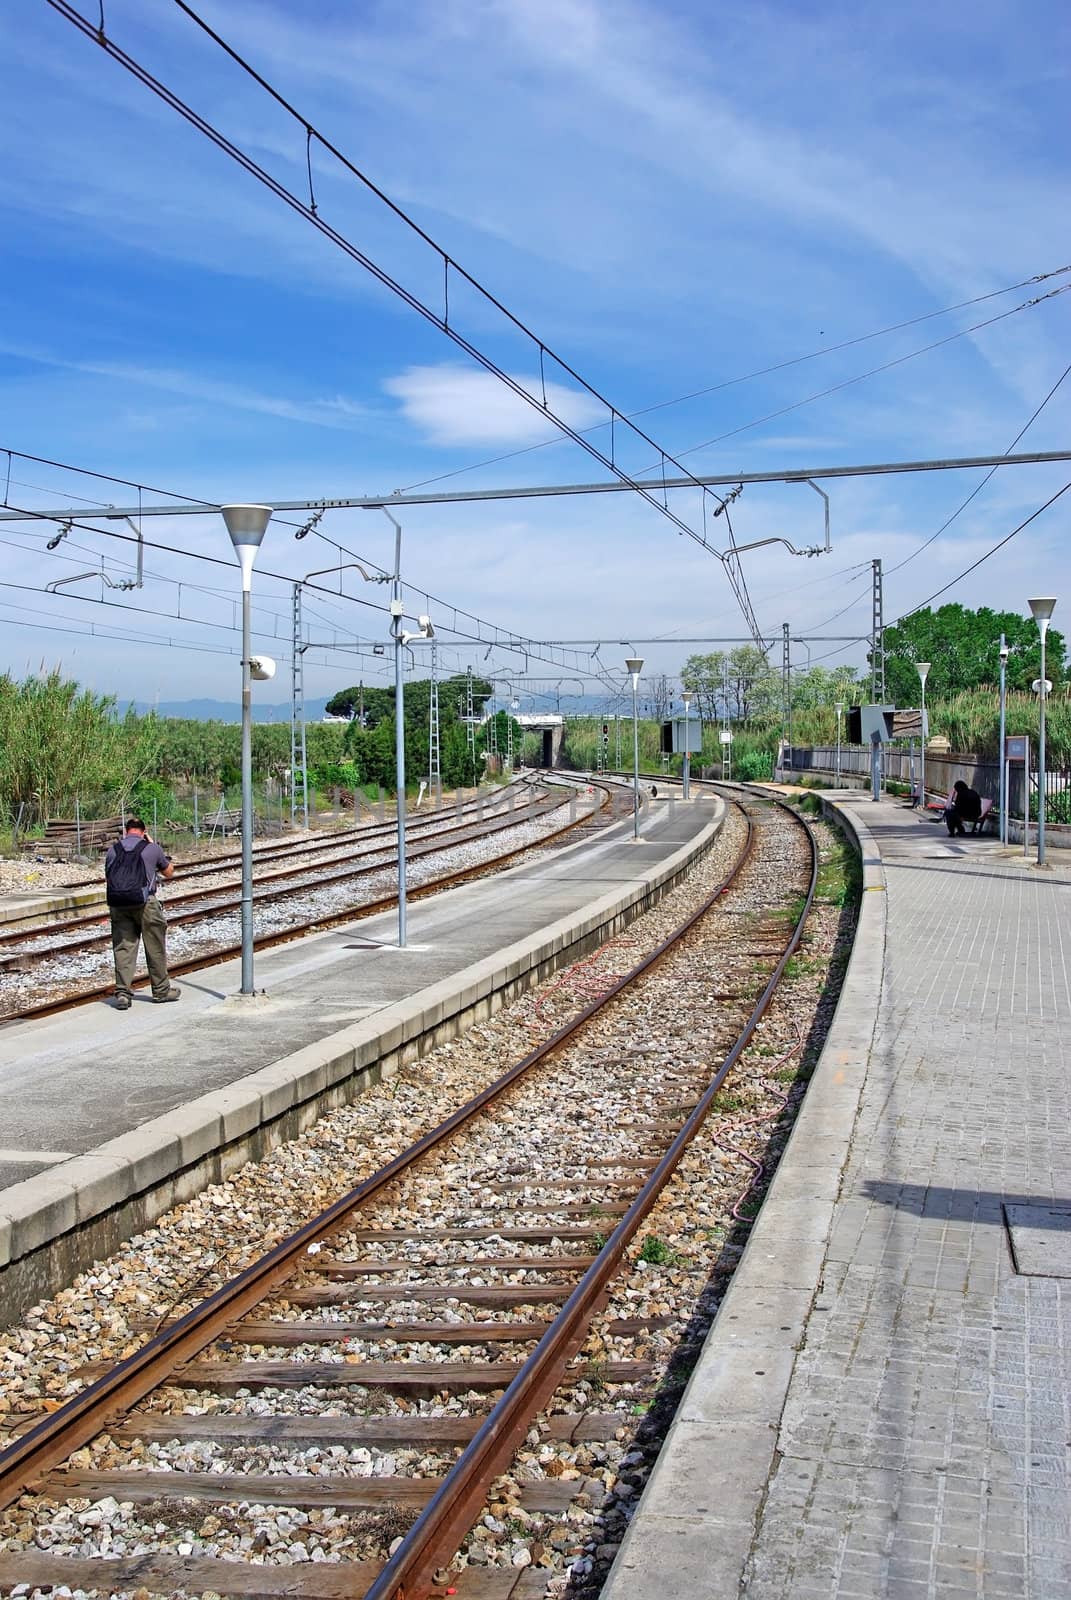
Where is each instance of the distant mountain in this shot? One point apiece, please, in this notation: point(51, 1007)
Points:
point(230, 711)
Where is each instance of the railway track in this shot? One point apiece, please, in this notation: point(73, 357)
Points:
point(431, 1314)
point(212, 917)
point(196, 879)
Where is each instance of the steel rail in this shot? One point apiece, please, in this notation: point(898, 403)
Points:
point(310, 852)
point(334, 919)
point(436, 1535)
point(49, 1442)
point(218, 901)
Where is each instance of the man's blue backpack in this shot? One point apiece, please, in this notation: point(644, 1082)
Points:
point(126, 877)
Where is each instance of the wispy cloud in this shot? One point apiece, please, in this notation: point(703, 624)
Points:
point(336, 411)
point(454, 405)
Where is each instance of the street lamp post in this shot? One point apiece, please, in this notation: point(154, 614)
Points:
point(246, 526)
point(634, 665)
point(1042, 610)
point(401, 638)
point(840, 713)
point(686, 696)
point(923, 668)
point(1003, 775)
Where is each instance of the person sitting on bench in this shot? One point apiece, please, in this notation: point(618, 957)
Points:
point(966, 806)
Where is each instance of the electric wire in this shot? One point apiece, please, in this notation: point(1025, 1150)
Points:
point(513, 642)
point(990, 552)
point(847, 383)
point(981, 485)
point(308, 210)
point(747, 377)
point(518, 642)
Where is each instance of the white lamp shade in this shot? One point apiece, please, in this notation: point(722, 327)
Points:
point(686, 696)
point(634, 664)
point(1043, 608)
point(246, 524)
point(923, 668)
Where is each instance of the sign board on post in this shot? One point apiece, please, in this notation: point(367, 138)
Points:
point(726, 736)
point(876, 722)
point(676, 727)
point(908, 724)
point(1017, 747)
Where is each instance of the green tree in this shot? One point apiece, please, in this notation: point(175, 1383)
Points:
point(59, 742)
point(963, 648)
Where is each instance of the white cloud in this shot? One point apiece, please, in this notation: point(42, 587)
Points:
point(452, 405)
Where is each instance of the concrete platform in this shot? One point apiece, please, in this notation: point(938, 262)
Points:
point(881, 1408)
point(109, 1117)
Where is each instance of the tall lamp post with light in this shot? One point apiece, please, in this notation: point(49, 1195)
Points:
point(923, 669)
point(634, 665)
point(246, 526)
point(401, 639)
point(1003, 722)
point(840, 713)
point(1042, 610)
point(686, 696)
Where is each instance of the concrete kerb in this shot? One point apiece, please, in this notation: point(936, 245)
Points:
point(722, 1445)
point(58, 1223)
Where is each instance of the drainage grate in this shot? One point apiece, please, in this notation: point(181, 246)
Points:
point(1040, 1239)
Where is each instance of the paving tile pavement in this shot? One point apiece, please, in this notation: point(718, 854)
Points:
point(924, 1446)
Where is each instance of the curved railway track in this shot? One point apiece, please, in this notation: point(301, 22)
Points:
point(520, 1251)
point(23, 955)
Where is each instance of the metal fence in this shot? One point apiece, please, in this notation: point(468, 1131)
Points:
point(901, 764)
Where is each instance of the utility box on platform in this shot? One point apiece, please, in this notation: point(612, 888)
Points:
point(674, 733)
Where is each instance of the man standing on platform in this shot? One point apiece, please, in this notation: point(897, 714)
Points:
point(132, 868)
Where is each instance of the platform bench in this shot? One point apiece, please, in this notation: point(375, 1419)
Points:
point(986, 817)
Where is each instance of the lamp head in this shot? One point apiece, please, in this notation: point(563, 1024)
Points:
point(246, 525)
point(634, 664)
point(923, 670)
point(1042, 608)
point(686, 696)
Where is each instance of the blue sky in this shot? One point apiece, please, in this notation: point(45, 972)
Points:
point(673, 196)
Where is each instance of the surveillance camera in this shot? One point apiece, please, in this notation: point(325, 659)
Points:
point(261, 668)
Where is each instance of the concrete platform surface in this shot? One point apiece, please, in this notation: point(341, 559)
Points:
point(881, 1410)
point(97, 1105)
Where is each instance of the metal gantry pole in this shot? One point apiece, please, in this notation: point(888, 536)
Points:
point(786, 690)
point(470, 723)
point(435, 777)
point(877, 647)
point(295, 696)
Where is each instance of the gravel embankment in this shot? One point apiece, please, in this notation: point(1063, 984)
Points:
point(643, 1059)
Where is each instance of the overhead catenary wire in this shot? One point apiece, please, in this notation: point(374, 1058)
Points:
point(517, 641)
point(981, 485)
point(747, 377)
point(511, 641)
point(92, 31)
point(847, 383)
point(990, 552)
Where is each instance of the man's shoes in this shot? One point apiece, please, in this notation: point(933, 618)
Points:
point(174, 993)
point(121, 1002)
